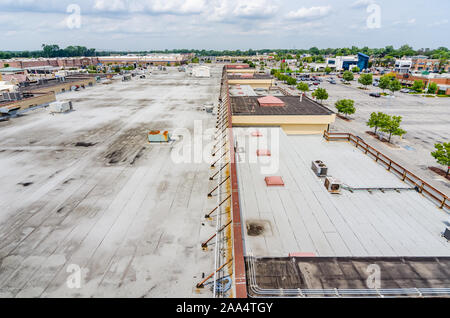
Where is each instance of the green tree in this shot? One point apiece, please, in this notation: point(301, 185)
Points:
point(348, 76)
point(377, 120)
point(303, 87)
point(392, 127)
point(290, 80)
point(442, 155)
point(356, 69)
point(321, 94)
point(442, 63)
point(328, 70)
point(346, 106)
point(384, 82)
point(417, 86)
point(366, 79)
point(395, 86)
point(432, 88)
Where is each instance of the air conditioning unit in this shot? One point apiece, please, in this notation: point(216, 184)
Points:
point(333, 185)
point(446, 234)
point(319, 168)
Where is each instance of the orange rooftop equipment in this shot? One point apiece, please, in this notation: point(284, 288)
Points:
point(270, 101)
point(263, 153)
point(274, 182)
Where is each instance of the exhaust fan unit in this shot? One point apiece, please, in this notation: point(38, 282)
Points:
point(319, 168)
point(333, 185)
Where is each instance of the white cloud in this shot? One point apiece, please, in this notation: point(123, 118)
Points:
point(255, 9)
point(359, 4)
point(309, 13)
point(405, 22)
point(438, 23)
point(230, 10)
point(151, 6)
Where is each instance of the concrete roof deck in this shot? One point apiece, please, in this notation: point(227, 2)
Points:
point(86, 188)
point(242, 106)
point(302, 217)
point(247, 90)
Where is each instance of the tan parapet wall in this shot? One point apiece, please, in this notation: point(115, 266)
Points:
point(241, 70)
point(305, 129)
point(255, 83)
point(292, 125)
point(37, 100)
point(64, 87)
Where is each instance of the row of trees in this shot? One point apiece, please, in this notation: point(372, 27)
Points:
point(53, 51)
point(283, 77)
point(419, 86)
point(382, 55)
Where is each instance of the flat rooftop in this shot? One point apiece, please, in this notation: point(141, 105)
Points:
point(86, 188)
point(249, 106)
point(348, 276)
point(247, 90)
point(50, 83)
point(303, 217)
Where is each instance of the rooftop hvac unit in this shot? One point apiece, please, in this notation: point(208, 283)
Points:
point(319, 168)
point(11, 96)
point(159, 136)
point(446, 234)
point(333, 185)
point(60, 107)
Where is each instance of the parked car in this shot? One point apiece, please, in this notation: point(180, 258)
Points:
point(406, 90)
point(333, 82)
point(375, 95)
point(376, 84)
point(316, 83)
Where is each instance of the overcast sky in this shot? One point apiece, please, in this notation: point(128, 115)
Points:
point(223, 24)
